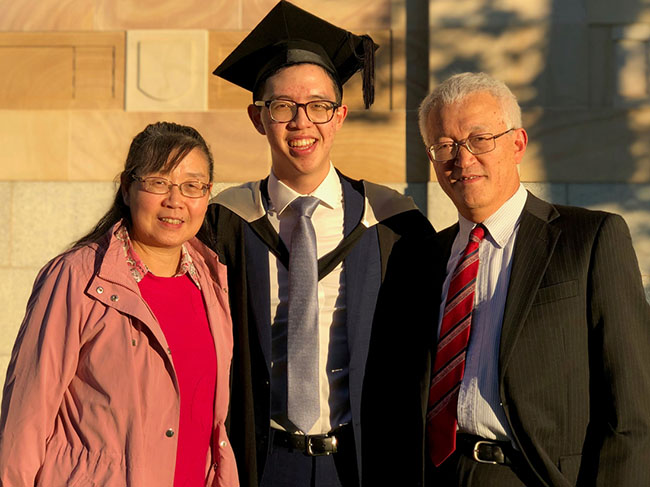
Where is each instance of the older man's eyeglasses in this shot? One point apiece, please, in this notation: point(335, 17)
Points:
point(318, 111)
point(476, 144)
point(156, 185)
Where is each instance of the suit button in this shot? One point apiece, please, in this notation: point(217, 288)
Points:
point(222, 443)
point(169, 433)
point(100, 290)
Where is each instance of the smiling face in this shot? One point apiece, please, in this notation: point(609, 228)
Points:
point(477, 184)
point(163, 222)
point(300, 149)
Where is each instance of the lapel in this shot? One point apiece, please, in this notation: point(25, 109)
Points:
point(533, 250)
point(114, 277)
point(444, 241)
point(258, 283)
point(362, 267)
point(353, 229)
point(357, 271)
point(265, 231)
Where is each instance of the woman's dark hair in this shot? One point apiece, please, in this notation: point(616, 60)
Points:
point(160, 147)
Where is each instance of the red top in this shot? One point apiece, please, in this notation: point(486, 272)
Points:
point(178, 305)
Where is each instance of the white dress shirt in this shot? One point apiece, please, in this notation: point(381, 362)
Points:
point(479, 407)
point(333, 347)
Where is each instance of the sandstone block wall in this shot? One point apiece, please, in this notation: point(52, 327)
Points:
point(81, 77)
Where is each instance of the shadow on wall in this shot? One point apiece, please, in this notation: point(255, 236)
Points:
point(579, 70)
point(417, 87)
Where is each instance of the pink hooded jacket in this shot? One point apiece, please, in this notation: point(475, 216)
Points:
point(91, 397)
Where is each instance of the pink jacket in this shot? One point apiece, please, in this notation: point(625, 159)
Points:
point(91, 396)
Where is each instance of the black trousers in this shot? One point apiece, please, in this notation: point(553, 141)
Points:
point(291, 468)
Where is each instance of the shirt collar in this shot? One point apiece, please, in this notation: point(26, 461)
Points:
point(138, 269)
point(329, 192)
point(502, 223)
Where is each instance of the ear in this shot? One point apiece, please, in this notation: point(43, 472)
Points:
point(340, 115)
point(255, 114)
point(429, 155)
point(520, 144)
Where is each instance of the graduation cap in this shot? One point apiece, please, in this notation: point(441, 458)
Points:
point(290, 35)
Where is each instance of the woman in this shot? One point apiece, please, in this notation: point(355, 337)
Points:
point(120, 372)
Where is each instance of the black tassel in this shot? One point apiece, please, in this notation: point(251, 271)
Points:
point(368, 70)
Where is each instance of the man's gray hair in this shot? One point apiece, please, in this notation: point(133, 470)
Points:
point(458, 87)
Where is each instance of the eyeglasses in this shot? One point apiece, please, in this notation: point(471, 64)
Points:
point(475, 144)
point(190, 189)
point(318, 111)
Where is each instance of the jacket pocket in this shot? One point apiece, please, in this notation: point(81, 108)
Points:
point(555, 292)
point(570, 467)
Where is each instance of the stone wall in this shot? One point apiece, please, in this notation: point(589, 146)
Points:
point(81, 77)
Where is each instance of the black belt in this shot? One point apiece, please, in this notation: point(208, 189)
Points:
point(313, 445)
point(487, 451)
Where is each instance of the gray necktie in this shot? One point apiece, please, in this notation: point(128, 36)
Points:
point(303, 406)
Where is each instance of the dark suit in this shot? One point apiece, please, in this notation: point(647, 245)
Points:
point(574, 377)
point(243, 237)
point(574, 368)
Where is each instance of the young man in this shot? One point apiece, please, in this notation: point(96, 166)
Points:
point(541, 374)
point(307, 249)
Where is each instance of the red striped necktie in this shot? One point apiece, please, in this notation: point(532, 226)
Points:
point(449, 364)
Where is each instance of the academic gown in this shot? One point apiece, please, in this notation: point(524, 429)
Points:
point(375, 218)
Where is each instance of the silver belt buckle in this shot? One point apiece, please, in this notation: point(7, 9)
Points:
point(309, 446)
point(476, 451)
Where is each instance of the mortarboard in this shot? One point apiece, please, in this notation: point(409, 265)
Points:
point(290, 35)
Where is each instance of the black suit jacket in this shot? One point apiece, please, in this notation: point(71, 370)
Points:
point(574, 368)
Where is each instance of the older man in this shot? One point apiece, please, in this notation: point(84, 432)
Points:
point(307, 250)
point(540, 376)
